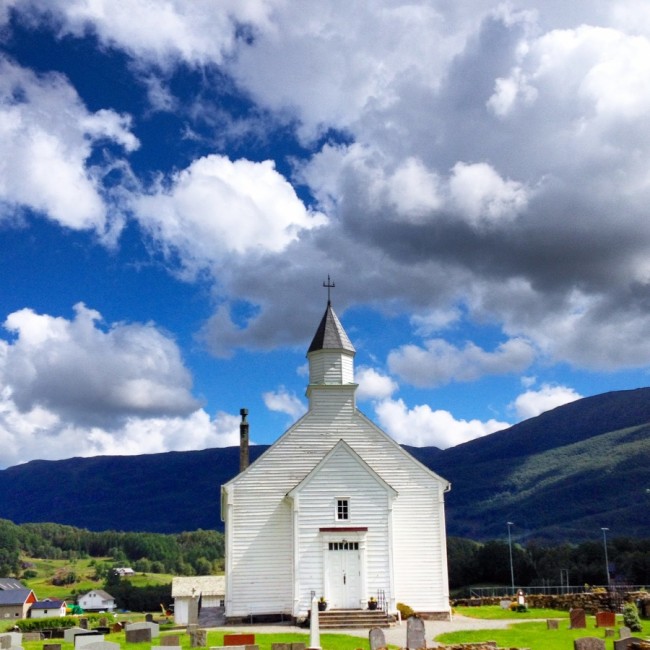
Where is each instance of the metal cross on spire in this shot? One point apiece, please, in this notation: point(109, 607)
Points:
point(329, 285)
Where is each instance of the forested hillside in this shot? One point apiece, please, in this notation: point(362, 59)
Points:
point(560, 476)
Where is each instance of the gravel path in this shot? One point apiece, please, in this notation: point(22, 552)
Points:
point(394, 635)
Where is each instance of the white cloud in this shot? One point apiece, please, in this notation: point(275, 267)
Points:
point(373, 385)
point(421, 426)
point(217, 206)
point(47, 137)
point(440, 362)
point(533, 402)
point(80, 372)
point(282, 401)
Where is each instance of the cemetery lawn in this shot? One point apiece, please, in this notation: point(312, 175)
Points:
point(215, 638)
point(494, 612)
point(533, 635)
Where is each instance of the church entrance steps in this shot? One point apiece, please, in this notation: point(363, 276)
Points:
point(353, 618)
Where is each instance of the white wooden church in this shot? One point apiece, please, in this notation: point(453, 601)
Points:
point(335, 508)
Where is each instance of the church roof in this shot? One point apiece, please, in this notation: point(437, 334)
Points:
point(330, 334)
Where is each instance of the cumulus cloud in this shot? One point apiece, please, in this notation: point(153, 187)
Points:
point(440, 362)
point(373, 385)
point(283, 401)
point(217, 206)
point(47, 138)
point(533, 402)
point(422, 426)
point(73, 384)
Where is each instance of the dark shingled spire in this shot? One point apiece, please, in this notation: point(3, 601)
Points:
point(330, 334)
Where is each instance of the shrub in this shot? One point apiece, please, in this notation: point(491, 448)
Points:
point(405, 611)
point(631, 617)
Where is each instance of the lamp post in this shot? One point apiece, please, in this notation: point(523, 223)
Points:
point(512, 571)
point(606, 560)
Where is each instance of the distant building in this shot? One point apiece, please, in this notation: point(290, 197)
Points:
point(48, 608)
point(15, 603)
point(11, 583)
point(124, 571)
point(96, 601)
point(335, 507)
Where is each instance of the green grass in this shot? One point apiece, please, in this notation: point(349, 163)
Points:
point(533, 635)
point(494, 612)
point(215, 638)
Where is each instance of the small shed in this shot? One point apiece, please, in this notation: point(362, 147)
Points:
point(194, 593)
point(96, 600)
point(48, 608)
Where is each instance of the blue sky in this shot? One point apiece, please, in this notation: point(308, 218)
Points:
point(178, 179)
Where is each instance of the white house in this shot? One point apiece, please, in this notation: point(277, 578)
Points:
point(191, 594)
point(48, 608)
point(334, 507)
point(96, 601)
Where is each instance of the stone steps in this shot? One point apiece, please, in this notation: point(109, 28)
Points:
point(353, 618)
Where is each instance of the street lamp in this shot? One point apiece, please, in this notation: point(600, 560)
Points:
point(512, 571)
point(606, 560)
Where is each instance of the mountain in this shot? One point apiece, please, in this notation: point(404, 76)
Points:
point(562, 476)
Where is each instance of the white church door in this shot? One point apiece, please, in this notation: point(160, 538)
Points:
point(344, 575)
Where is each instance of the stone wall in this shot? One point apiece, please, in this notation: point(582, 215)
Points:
point(591, 602)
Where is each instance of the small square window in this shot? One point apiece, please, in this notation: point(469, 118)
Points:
point(342, 509)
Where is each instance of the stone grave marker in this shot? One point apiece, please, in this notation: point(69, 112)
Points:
point(415, 633)
point(624, 632)
point(71, 632)
point(626, 644)
point(148, 617)
point(51, 646)
point(82, 640)
point(605, 619)
point(103, 621)
point(577, 618)
point(32, 636)
point(609, 633)
point(377, 638)
point(280, 646)
point(171, 639)
point(505, 604)
point(298, 646)
point(154, 627)
point(552, 624)
point(83, 623)
point(198, 639)
point(11, 640)
point(116, 627)
point(138, 635)
point(102, 645)
point(589, 643)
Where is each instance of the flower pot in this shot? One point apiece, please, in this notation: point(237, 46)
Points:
point(372, 604)
point(322, 605)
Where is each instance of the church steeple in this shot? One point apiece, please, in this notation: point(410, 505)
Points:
point(331, 353)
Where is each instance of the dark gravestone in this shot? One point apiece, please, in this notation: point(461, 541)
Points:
point(172, 639)
point(51, 646)
point(552, 624)
point(83, 623)
point(281, 646)
point(298, 646)
point(138, 635)
point(415, 633)
point(198, 639)
point(376, 638)
point(605, 619)
point(148, 618)
point(577, 618)
point(589, 643)
point(629, 644)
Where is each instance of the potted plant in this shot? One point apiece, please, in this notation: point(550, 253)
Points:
point(322, 604)
point(372, 603)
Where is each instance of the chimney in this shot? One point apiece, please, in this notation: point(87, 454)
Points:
point(243, 440)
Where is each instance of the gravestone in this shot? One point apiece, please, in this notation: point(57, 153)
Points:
point(71, 632)
point(82, 640)
point(552, 624)
point(577, 618)
point(83, 623)
point(605, 619)
point(171, 639)
point(588, 643)
point(298, 646)
point(193, 611)
point(153, 627)
point(102, 645)
point(377, 638)
point(51, 646)
point(103, 621)
point(626, 644)
point(32, 636)
point(11, 640)
point(279, 646)
point(148, 618)
point(505, 604)
point(609, 633)
point(415, 633)
point(138, 635)
point(624, 632)
point(116, 628)
point(199, 639)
